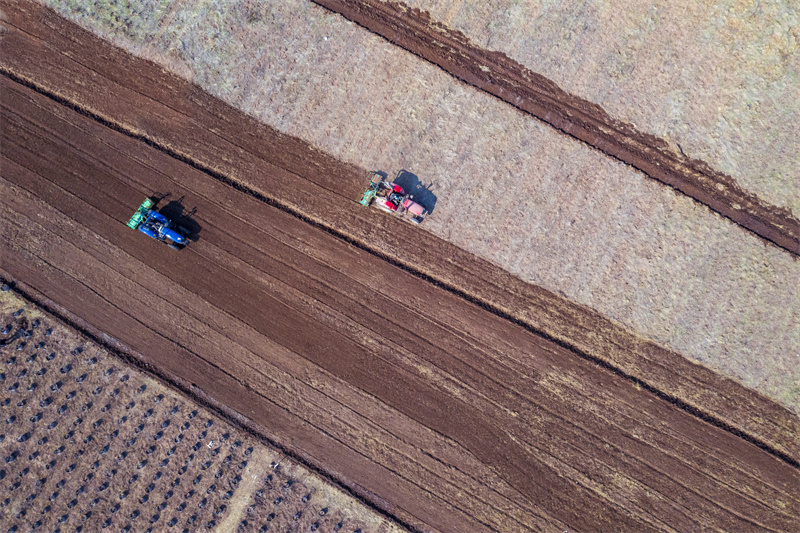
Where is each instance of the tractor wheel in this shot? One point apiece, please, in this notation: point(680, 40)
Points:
point(172, 244)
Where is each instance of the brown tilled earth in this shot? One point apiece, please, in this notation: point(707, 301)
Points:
point(447, 415)
point(512, 190)
point(427, 382)
point(726, 299)
point(91, 443)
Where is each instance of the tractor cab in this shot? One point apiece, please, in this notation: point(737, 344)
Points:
point(159, 227)
point(390, 197)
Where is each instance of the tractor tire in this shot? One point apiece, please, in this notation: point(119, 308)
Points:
point(172, 244)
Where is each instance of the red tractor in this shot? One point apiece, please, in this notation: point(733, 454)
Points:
point(390, 197)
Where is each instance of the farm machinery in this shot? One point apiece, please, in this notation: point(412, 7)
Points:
point(157, 226)
point(390, 197)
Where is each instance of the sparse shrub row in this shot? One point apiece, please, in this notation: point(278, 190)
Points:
point(89, 444)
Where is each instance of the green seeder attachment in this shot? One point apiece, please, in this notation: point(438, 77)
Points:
point(369, 195)
point(372, 189)
point(140, 213)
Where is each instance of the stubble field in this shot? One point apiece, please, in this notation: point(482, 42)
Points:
point(718, 80)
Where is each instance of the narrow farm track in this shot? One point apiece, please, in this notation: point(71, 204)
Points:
point(445, 415)
point(511, 82)
point(142, 101)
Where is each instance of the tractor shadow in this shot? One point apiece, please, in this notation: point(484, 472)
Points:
point(177, 213)
point(423, 194)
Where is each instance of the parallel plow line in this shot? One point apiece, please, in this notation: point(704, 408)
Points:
point(486, 305)
point(74, 67)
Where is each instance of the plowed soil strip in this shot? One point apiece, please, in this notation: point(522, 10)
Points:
point(510, 81)
point(388, 387)
point(138, 98)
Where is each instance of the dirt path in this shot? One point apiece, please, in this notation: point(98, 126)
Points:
point(506, 79)
point(443, 414)
point(257, 469)
point(164, 111)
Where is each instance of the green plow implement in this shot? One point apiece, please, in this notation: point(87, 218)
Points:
point(372, 188)
point(140, 213)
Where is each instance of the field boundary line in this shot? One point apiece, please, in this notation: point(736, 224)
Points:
point(500, 76)
point(443, 284)
point(134, 359)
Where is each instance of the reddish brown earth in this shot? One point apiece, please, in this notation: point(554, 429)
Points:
point(444, 414)
point(532, 93)
point(587, 227)
point(140, 99)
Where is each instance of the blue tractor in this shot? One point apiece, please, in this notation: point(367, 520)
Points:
point(155, 225)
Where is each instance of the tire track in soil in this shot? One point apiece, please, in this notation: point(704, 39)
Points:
point(224, 347)
point(123, 231)
point(119, 216)
point(691, 409)
point(531, 93)
point(235, 149)
point(251, 477)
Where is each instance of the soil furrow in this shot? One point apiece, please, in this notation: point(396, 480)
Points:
point(75, 177)
point(511, 82)
point(562, 420)
point(689, 385)
point(456, 349)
